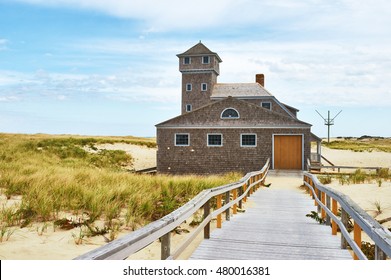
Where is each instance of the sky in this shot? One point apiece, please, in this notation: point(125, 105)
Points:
point(97, 67)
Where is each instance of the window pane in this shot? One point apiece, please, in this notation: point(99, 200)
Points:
point(205, 59)
point(214, 140)
point(266, 105)
point(188, 87)
point(248, 140)
point(186, 60)
point(182, 139)
point(230, 113)
point(204, 87)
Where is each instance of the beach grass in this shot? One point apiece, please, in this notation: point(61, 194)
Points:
point(54, 175)
point(361, 145)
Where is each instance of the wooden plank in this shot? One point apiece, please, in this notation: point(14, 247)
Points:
point(357, 237)
point(218, 203)
point(268, 231)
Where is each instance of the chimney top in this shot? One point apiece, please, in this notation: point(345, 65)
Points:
point(260, 79)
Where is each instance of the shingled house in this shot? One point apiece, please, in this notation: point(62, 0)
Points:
point(228, 126)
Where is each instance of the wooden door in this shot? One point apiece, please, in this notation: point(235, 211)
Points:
point(288, 152)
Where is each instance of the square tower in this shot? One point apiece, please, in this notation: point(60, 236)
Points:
point(199, 67)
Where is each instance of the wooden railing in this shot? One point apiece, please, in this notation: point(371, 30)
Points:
point(328, 200)
point(122, 248)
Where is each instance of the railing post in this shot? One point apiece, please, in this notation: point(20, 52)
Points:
point(235, 196)
point(241, 191)
point(218, 203)
point(206, 214)
point(244, 190)
point(345, 221)
point(227, 212)
point(334, 209)
point(328, 207)
point(249, 186)
point(323, 199)
point(318, 193)
point(165, 245)
point(379, 254)
point(357, 237)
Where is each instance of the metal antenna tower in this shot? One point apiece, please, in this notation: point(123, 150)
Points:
point(329, 122)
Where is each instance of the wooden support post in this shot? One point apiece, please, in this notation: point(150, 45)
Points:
point(328, 220)
point(227, 212)
point(334, 209)
point(219, 220)
point(345, 220)
point(244, 190)
point(240, 194)
point(357, 237)
point(235, 196)
point(206, 214)
point(251, 188)
point(323, 199)
point(318, 193)
point(379, 254)
point(165, 246)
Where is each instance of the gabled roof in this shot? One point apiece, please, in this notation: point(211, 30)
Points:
point(239, 90)
point(198, 50)
point(251, 116)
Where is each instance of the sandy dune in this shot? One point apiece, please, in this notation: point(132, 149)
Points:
point(43, 241)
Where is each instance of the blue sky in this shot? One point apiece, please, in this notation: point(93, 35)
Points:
point(96, 67)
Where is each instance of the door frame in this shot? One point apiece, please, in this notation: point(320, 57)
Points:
point(289, 134)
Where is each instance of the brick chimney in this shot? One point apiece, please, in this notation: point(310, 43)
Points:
point(260, 79)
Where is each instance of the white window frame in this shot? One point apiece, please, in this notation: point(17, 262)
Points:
point(248, 146)
point(203, 59)
point(189, 85)
point(266, 102)
point(184, 60)
point(182, 145)
point(202, 86)
point(189, 106)
point(207, 139)
point(229, 118)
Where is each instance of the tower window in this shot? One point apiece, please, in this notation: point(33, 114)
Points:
point(188, 87)
point(188, 107)
point(205, 60)
point(230, 113)
point(187, 60)
point(204, 87)
point(266, 105)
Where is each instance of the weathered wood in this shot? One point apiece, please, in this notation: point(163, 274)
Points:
point(379, 254)
point(227, 212)
point(323, 199)
point(235, 196)
point(166, 246)
point(218, 205)
point(268, 231)
point(357, 237)
point(206, 214)
point(328, 205)
point(380, 235)
point(344, 219)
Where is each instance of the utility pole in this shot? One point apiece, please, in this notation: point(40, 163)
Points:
point(329, 122)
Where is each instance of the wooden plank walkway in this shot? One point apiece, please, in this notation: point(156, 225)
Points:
point(274, 227)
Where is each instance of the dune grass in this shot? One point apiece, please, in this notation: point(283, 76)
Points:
point(357, 145)
point(55, 175)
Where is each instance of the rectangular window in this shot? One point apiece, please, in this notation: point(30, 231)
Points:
point(266, 105)
point(182, 139)
point(188, 107)
point(215, 140)
point(188, 87)
point(204, 87)
point(248, 140)
point(186, 60)
point(205, 60)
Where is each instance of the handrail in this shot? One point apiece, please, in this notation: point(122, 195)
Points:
point(135, 241)
point(362, 221)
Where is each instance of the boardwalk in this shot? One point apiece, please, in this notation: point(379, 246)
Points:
point(275, 226)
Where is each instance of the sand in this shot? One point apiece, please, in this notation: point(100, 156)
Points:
point(45, 242)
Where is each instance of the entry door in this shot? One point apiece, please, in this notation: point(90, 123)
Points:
point(288, 152)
